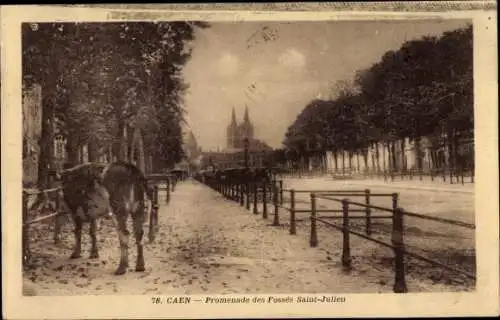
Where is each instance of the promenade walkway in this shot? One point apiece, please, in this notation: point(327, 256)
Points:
point(208, 245)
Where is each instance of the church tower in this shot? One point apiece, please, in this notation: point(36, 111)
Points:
point(231, 131)
point(246, 126)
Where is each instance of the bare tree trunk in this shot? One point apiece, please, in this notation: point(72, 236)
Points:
point(365, 158)
point(384, 147)
point(72, 151)
point(372, 156)
point(343, 161)
point(357, 161)
point(403, 155)
point(335, 157)
point(46, 143)
point(325, 162)
point(433, 164)
point(393, 155)
point(110, 154)
point(118, 149)
point(456, 155)
point(140, 152)
point(377, 156)
point(93, 152)
point(124, 148)
point(449, 142)
point(418, 152)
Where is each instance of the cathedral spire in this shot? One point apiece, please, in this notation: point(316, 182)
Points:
point(246, 117)
point(233, 117)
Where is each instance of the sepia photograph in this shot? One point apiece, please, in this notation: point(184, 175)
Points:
point(253, 161)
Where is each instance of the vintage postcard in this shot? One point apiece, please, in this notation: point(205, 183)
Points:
point(267, 160)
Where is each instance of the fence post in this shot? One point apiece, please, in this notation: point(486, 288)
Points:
point(346, 249)
point(313, 241)
point(276, 221)
point(264, 200)
point(255, 194)
point(153, 219)
point(281, 192)
point(26, 247)
point(168, 190)
point(242, 194)
point(394, 201)
point(247, 192)
point(293, 229)
point(155, 195)
point(398, 244)
point(368, 212)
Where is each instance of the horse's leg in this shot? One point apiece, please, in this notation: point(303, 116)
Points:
point(78, 236)
point(94, 252)
point(120, 216)
point(138, 221)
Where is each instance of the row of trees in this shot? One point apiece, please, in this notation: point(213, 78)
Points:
point(423, 89)
point(115, 87)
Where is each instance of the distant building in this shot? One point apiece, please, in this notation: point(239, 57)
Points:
point(236, 133)
point(234, 154)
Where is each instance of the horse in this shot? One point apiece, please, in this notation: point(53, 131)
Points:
point(117, 189)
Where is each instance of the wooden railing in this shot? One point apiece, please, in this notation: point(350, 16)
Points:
point(273, 194)
point(452, 176)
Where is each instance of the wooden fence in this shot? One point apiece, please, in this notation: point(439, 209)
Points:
point(455, 176)
point(273, 195)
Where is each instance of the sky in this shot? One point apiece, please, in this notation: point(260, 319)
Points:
point(277, 68)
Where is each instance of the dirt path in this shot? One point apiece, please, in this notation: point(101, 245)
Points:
point(206, 244)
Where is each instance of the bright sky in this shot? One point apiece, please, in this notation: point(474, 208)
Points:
point(232, 65)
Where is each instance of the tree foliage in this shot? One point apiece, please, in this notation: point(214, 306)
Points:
point(415, 91)
point(112, 85)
